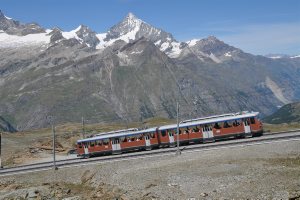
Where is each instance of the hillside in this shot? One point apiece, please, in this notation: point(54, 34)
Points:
point(132, 72)
point(6, 126)
point(286, 114)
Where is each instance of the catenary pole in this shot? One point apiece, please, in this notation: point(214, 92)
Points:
point(178, 150)
point(0, 149)
point(54, 163)
point(83, 131)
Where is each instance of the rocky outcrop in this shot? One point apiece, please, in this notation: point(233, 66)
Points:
point(13, 27)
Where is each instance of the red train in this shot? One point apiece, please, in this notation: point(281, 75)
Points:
point(208, 129)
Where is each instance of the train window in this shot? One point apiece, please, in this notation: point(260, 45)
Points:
point(226, 125)
point(217, 126)
point(141, 136)
point(252, 120)
point(186, 131)
point(92, 143)
point(236, 123)
point(79, 145)
point(163, 133)
point(195, 129)
point(99, 142)
point(152, 135)
point(122, 139)
point(105, 141)
point(137, 137)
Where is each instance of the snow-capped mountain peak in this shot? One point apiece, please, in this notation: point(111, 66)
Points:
point(83, 34)
point(192, 42)
point(132, 20)
point(132, 28)
point(129, 26)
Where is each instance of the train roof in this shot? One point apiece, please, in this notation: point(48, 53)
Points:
point(186, 123)
point(211, 119)
point(117, 131)
point(121, 134)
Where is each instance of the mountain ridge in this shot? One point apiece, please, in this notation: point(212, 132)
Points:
point(131, 73)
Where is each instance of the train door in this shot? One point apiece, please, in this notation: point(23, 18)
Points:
point(171, 137)
point(86, 148)
point(147, 139)
point(115, 143)
point(247, 127)
point(207, 133)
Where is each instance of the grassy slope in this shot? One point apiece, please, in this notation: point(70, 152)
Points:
point(287, 114)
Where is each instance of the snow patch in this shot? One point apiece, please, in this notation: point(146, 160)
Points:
point(72, 34)
point(77, 29)
point(7, 17)
point(102, 43)
point(295, 56)
point(164, 46)
point(157, 42)
point(48, 31)
point(175, 51)
point(7, 40)
point(137, 52)
point(192, 42)
point(275, 57)
point(228, 54)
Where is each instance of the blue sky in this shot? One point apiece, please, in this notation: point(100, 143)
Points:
point(255, 26)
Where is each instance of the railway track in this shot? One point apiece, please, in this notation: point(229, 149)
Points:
point(270, 138)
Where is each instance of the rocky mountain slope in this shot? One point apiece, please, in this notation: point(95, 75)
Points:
point(286, 114)
point(6, 126)
point(131, 72)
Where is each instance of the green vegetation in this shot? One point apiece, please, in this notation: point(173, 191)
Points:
point(287, 114)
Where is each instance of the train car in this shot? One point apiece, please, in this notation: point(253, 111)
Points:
point(212, 128)
point(116, 143)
